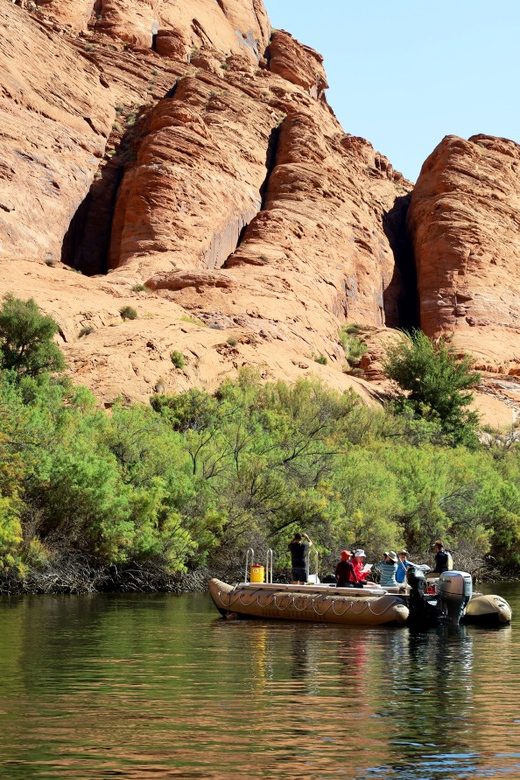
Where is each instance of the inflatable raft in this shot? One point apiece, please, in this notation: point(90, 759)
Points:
point(361, 607)
point(454, 602)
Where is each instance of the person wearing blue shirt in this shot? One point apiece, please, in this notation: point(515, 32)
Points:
point(403, 564)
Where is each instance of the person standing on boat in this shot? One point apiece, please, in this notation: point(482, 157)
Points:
point(345, 574)
point(300, 567)
point(403, 564)
point(441, 559)
point(387, 568)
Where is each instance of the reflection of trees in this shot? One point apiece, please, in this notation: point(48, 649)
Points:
point(432, 696)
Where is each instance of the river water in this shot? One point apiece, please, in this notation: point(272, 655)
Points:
point(154, 687)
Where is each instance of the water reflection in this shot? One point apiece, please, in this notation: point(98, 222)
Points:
point(433, 685)
point(160, 687)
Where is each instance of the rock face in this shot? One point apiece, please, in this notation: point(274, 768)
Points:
point(54, 129)
point(182, 157)
point(178, 146)
point(465, 224)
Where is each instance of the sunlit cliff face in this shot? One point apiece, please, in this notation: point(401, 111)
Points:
point(189, 149)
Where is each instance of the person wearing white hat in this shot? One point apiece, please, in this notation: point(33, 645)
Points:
point(387, 568)
point(360, 568)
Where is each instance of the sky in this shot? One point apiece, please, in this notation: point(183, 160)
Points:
point(405, 73)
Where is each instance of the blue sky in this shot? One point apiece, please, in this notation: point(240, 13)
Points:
point(405, 73)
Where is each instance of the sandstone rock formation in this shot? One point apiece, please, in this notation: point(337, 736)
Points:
point(176, 146)
point(465, 224)
point(182, 158)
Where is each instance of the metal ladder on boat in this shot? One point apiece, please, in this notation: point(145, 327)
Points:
point(268, 568)
point(313, 578)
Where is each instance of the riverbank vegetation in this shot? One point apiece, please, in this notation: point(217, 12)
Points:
point(143, 495)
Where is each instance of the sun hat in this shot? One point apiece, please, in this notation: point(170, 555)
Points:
point(360, 554)
point(391, 554)
point(345, 555)
point(403, 552)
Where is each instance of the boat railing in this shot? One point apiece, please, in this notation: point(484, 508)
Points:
point(269, 566)
point(313, 553)
point(250, 559)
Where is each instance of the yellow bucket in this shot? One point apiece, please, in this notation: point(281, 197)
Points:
point(256, 573)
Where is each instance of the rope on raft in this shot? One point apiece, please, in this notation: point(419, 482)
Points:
point(348, 605)
point(284, 601)
point(328, 606)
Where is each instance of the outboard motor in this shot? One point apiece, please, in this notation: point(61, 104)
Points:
point(423, 608)
point(455, 589)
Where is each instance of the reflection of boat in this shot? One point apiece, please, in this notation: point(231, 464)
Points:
point(452, 602)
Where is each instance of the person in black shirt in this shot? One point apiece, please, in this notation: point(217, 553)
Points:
point(299, 550)
point(345, 573)
point(441, 559)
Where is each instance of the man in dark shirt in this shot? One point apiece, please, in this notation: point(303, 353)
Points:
point(299, 550)
point(441, 558)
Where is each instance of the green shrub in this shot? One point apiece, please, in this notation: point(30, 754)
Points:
point(353, 346)
point(193, 320)
point(86, 331)
point(232, 341)
point(26, 338)
point(177, 359)
point(128, 313)
point(322, 359)
point(435, 382)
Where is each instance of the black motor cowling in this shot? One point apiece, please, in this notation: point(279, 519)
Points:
point(424, 609)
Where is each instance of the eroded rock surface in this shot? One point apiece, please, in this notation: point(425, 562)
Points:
point(465, 223)
point(182, 157)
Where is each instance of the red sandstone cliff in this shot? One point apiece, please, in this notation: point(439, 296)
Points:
point(183, 146)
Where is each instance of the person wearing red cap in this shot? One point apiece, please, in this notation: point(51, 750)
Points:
point(345, 573)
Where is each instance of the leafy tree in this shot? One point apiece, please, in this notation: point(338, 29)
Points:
point(435, 382)
point(26, 339)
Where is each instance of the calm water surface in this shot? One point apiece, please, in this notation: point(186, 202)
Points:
point(154, 687)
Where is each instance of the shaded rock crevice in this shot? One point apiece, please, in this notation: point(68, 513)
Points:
point(224, 243)
point(86, 243)
point(247, 218)
point(400, 298)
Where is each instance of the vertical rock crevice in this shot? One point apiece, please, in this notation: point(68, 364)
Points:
point(401, 298)
point(271, 157)
point(86, 244)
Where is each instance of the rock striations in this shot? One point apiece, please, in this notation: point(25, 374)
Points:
point(465, 225)
point(183, 158)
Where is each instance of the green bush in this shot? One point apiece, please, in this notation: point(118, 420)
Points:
point(435, 382)
point(177, 359)
point(26, 338)
point(128, 313)
point(353, 346)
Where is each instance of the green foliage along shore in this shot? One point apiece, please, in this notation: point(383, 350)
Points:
point(194, 477)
